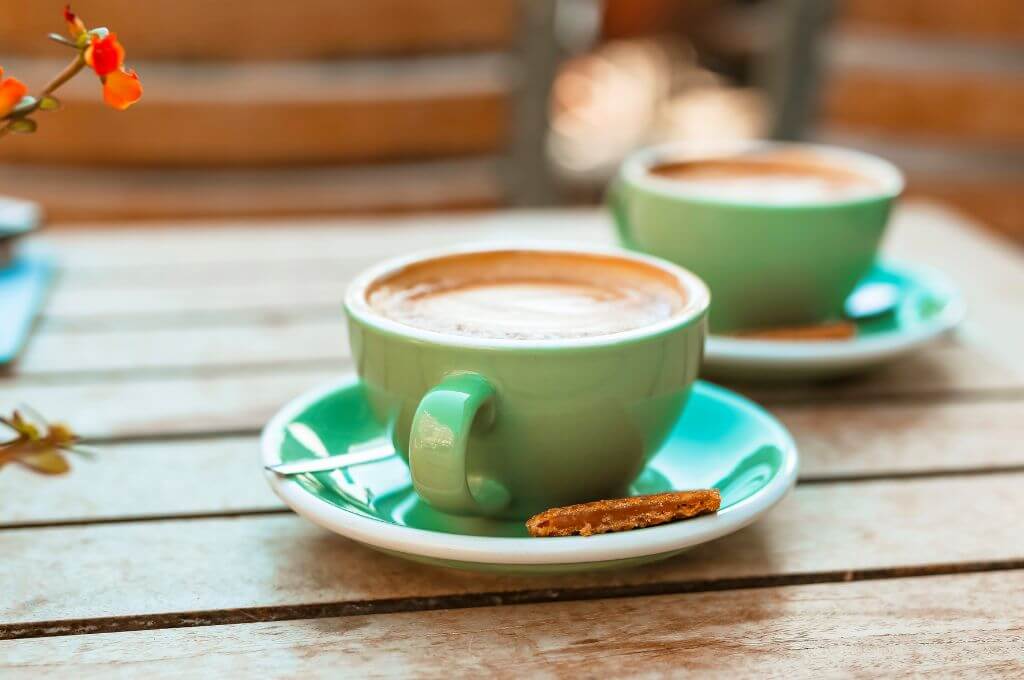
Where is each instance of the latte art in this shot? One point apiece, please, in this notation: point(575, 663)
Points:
point(527, 295)
point(785, 176)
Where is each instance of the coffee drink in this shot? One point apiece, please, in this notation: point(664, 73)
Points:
point(516, 378)
point(769, 176)
point(780, 232)
point(527, 295)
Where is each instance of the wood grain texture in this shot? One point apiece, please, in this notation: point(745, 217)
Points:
point(994, 201)
point(171, 245)
point(155, 568)
point(157, 479)
point(190, 349)
point(71, 195)
point(244, 115)
point(922, 626)
point(892, 439)
point(993, 20)
point(264, 29)
point(161, 405)
point(975, 107)
point(223, 476)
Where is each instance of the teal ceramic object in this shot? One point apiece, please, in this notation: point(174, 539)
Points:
point(721, 440)
point(767, 264)
point(23, 285)
point(928, 306)
point(507, 428)
point(25, 275)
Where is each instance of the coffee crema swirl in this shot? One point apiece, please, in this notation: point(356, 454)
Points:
point(781, 176)
point(527, 295)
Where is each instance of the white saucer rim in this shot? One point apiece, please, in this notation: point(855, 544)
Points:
point(732, 352)
point(528, 551)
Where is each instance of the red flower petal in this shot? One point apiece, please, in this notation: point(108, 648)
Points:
point(121, 89)
point(105, 55)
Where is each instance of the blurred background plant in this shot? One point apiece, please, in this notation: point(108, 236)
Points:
point(340, 106)
point(37, 444)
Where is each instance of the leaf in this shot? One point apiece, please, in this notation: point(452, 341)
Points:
point(26, 103)
point(100, 32)
point(83, 451)
point(49, 103)
point(23, 126)
point(48, 462)
point(57, 37)
point(39, 445)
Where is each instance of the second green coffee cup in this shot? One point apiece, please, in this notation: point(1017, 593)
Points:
point(766, 263)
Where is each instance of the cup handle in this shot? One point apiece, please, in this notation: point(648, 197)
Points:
point(615, 198)
point(437, 446)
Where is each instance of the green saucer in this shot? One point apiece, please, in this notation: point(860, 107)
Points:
point(928, 306)
point(721, 441)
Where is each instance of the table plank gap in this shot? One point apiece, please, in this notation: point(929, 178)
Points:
point(251, 615)
point(283, 561)
point(941, 624)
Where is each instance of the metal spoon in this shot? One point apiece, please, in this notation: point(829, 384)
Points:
point(371, 451)
point(872, 300)
point(342, 460)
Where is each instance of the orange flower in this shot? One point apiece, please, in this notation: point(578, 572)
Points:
point(11, 92)
point(75, 25)
point(121, 88)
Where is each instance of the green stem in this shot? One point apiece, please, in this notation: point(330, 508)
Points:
point(69, 72)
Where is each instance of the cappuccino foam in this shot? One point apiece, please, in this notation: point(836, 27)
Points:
point(784, 176)
point(527, 295)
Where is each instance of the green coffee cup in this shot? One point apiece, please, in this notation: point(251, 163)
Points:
point(509, 427)
point(779, 262)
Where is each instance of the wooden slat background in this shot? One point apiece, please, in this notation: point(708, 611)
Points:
point(268, 30)
point(276, 114)
point(72, 193)
point(151, 342)
point(260, 108)
point(979, 108)
point(944, 77)
point(992, 20)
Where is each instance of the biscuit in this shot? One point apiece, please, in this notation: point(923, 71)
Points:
point(623, 514)
point(836, 330)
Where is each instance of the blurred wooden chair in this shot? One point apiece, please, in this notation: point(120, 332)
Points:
point(260, 107)
point(938, 87)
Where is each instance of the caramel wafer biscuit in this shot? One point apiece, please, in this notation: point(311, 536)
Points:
point(837, 330)
point(623, 514)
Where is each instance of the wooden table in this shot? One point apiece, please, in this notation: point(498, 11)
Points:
point(902, 549)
